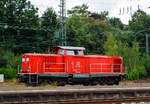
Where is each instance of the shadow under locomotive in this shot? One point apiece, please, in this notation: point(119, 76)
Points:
point(71, 66)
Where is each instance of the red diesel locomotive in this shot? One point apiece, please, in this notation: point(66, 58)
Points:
point(71, 66)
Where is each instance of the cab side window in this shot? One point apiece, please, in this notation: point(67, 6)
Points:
point(69, 52)
point(78, 53)
point(61, 52)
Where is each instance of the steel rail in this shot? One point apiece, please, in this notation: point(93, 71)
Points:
point(92, 101)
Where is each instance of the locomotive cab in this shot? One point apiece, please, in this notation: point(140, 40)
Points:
point(60, 50)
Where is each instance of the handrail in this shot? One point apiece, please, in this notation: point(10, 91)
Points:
point(105, 66)
point(45, 68)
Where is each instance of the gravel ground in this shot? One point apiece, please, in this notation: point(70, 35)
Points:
point(13, 85)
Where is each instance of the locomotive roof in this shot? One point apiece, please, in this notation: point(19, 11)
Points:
point(69, 48)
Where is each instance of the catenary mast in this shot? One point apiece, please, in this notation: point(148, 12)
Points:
point(63, 21)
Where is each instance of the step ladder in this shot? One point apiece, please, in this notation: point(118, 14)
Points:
point(33, 78)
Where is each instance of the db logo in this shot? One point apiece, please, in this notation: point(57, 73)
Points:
point(78, 64)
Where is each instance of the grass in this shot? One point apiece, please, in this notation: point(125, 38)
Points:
point(12, 82)
point(53, 85)
point(46, 86)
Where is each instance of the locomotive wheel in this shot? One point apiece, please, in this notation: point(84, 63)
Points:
point(61, 83)
point(102, 82)
point(45, 82)
point(109, 81)
point(94, 83)
point(27, 84)
point(50, 82)
point(30, 84)
point(85, 84)
point(116, 83)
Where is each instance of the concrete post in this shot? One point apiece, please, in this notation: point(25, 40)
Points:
point(147, 45)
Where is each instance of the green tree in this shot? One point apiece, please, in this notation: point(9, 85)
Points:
point(18, 13)
point(76, 30)
point(139, 24)
point(140, 21)
point(52, 24)
point(79, 10)
point(50, 20)
point(116, 22)
point(87, 32)
point(21, 18)
point(110, 46)
point(130, 54)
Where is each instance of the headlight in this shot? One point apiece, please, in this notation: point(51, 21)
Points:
point(23, 59)
point(27, 59)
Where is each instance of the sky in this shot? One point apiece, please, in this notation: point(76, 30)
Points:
point(122, 9)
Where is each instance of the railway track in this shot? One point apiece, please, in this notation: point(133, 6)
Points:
point(77, 96)
point(94, 101)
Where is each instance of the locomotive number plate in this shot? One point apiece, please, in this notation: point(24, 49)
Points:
point(81, 75)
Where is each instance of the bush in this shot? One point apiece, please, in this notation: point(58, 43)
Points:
point(3, 60)
point(145, 61)
point(138, 73)
point(8, 63)
point(8, 73)
point(142, 72)
point(8, 59)
point(14, 62)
